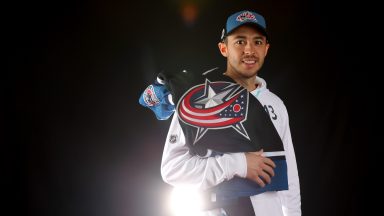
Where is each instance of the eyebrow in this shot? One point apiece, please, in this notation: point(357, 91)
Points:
point(244, 37)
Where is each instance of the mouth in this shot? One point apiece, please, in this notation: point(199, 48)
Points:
point(249, 61)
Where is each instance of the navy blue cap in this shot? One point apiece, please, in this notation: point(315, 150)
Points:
point(244, 17)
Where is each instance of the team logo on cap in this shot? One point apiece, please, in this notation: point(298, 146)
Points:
point(246, 16)
point(214, 105)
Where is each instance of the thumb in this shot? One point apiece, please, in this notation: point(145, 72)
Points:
point(260, 152)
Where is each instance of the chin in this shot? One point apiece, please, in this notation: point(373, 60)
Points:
point(248, 73)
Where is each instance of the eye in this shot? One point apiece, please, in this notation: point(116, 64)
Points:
point(259, 42)
point(240, 42)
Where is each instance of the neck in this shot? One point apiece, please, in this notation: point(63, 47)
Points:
point(248, 83)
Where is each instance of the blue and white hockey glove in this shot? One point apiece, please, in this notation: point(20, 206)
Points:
point(157, 98)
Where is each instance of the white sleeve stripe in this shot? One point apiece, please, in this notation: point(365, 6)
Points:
point(272, 154)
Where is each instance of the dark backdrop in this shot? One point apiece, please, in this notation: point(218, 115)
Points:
point(75, 71)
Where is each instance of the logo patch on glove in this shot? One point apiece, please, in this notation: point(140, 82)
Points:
point(150, 97)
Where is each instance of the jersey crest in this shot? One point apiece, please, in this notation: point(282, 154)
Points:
point(213, 106)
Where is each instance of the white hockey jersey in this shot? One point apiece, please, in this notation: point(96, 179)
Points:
point(179, 167)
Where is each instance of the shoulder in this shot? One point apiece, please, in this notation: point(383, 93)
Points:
point(270, 96)
point(266, 96)
point(271, 101)
point(272, 104)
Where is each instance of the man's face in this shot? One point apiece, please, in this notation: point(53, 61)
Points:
point(245, 49)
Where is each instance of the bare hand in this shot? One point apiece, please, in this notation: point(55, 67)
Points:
point(259, 168)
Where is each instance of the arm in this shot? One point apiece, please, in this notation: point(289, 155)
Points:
point(291, 198)
point(179, 167)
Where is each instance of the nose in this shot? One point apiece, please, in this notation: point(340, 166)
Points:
point(249, 49)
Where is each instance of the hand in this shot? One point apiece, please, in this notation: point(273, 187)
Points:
point(259, 168)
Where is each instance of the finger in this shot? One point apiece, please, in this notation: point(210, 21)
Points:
point(259, 181)
point(265, 177)
point(269, 162)
point(268, 169)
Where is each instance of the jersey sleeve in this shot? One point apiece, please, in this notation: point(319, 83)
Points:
point(179, 167)
point(291, 198)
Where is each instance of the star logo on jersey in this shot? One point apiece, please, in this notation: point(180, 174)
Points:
point(213, 106)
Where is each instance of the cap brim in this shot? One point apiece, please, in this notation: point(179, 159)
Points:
point(258, 27)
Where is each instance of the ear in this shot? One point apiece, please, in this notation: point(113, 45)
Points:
point(266, 49)
point(223, 49)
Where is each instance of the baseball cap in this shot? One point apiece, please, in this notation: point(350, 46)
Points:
point(244, 17)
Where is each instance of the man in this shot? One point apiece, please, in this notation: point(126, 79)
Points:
point(212, 141)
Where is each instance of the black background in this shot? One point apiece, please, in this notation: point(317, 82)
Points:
point(75, 71)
